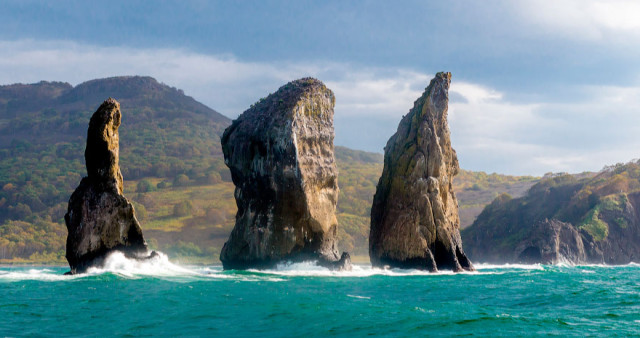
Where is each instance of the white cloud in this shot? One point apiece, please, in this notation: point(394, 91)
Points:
point(489, 131)
point(474, 93)
point(584, 19)
point(492, 133)
point(222, 82)
point(367, 92)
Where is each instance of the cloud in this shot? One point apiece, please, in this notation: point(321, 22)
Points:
point(594, 126)
point(492, 133)
point(220, 81)
point(584, 19)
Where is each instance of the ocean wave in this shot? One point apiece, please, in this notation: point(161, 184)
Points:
point(36, 274)
point(539, 266)
point(488, 266)
point(160, 267)
point(116, 264)
point(312, 269)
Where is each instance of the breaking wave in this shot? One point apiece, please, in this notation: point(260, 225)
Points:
point(159, 267)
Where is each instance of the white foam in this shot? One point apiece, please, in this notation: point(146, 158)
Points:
point(359, 297)
point(158, 266)
point(117, 264)
point(42, 274)
point(312, 269)
point(486, 266)
point(161, 267)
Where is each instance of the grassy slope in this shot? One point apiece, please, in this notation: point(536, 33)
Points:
point(359, 173)
point(211, 218)
point(476, 189)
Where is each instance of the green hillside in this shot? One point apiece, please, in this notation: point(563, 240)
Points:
point(173, 168)
point(476, 189)
point(165, 135)
point(602, 206)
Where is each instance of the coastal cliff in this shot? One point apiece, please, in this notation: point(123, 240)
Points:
point(575, 219)
point(414, 217)
point(99, 218)
point(281, 156)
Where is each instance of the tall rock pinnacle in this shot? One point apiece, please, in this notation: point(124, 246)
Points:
point(99, 218)
point(414, 216)
point(103, 147)
point(280, 152)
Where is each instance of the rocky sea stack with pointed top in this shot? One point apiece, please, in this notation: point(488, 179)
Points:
point(280, 152)
point(414, 216)
point(99, 218)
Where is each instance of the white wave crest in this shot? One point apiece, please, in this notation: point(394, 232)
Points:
point(39, 274)
point(358, 297)
point(157, 266)
point(312, 269)
point(117, 264)
point(560, 264)
point(160, 267)
point(487, 266)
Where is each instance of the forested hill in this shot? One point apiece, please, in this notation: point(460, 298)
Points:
point(601, 209)
point(43, 128)
point(172, 164)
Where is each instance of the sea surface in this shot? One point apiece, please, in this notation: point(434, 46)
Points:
point(159, 298)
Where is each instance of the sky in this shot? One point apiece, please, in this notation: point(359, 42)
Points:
point(537, 86)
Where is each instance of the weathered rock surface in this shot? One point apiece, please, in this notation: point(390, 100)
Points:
point(280, 152)
point(99, 218)
point(551, 242)
point(414, 217)
point(573, 219)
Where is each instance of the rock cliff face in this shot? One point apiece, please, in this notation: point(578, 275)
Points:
point(99, 218)
point(551, 242)
point(572, 219)
point(280, 153)
point(414, 217)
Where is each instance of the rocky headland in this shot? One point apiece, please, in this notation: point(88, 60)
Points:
point(574, 219)
point(281, 156)
point(99, 218)
point(414, 216)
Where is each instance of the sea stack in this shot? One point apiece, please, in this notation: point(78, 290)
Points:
point(280, 153)
point(99, 218)
point(414, 216)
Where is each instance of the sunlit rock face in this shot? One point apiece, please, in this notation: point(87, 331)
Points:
point(99, 218)
point(414, 216)
point(280, 153)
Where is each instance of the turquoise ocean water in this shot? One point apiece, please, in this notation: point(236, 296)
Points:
point(164, 299)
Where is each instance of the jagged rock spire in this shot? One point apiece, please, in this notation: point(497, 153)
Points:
point(414, 216)
point(99, 218)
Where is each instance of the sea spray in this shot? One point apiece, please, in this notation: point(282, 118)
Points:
point(157, 266)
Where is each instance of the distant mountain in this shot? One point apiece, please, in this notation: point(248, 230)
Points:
point(585, 218)
point(173, 168)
